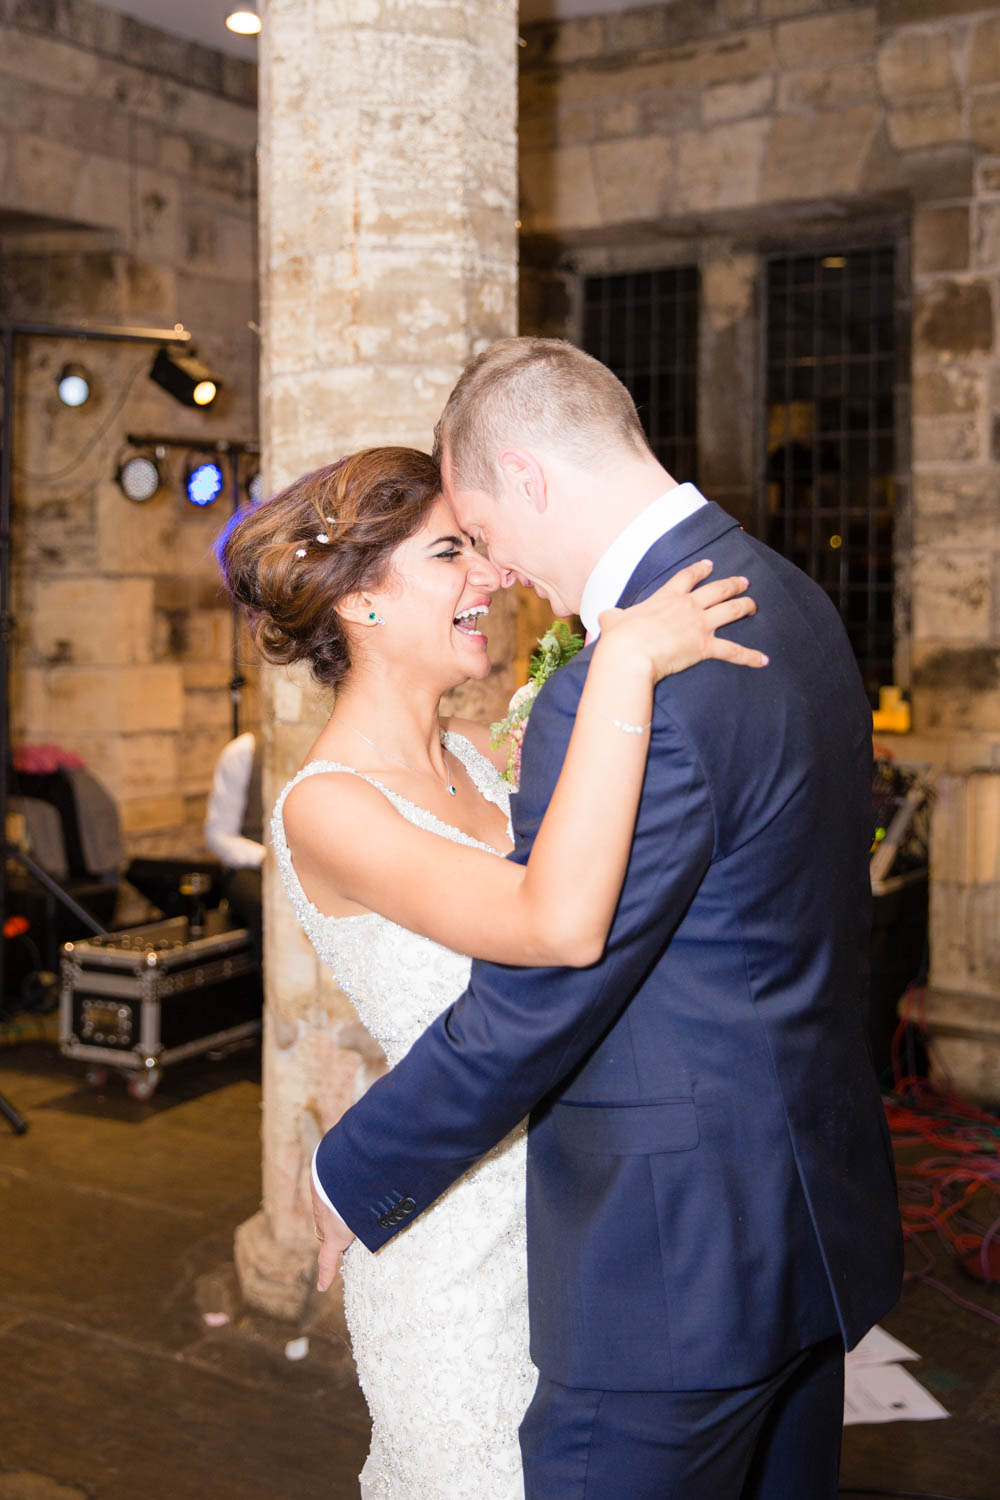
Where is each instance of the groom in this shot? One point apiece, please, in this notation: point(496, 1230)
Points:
point(711, 1205)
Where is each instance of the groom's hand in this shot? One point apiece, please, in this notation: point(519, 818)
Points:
point(334, 1237)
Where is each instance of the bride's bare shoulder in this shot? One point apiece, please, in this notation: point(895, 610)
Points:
point(479, 735)
point(324, 792)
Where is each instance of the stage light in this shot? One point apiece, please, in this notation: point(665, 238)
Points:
point(185, 378)
point(255, 488)
point(139, 476)
point(244, 22)
point(204, 482)
point(73, 383)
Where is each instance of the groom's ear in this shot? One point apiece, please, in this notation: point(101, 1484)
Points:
point(525, 476)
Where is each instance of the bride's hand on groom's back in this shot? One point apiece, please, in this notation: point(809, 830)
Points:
point(675, 628)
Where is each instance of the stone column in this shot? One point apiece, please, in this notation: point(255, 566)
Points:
point(954, 560)
point(388, 258)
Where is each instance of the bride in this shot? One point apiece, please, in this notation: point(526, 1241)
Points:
point(390, 844)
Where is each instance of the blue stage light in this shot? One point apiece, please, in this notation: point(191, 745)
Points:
point(204, 483)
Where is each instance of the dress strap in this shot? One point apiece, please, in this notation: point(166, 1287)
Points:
point(482, 772)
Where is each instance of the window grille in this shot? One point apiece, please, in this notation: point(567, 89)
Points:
point(826, 496)
point(644, 326)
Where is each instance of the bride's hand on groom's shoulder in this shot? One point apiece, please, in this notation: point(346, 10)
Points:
point(675, 627)
point(334, 1237)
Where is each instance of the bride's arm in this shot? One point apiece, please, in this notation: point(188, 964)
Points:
point(349, 842)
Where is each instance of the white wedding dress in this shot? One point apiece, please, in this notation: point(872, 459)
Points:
point(438, 1317)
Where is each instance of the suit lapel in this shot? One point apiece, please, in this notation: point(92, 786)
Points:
point(682, 544)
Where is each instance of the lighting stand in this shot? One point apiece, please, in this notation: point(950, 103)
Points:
point(234, 450)
point(17, 1122)
point(10, 332)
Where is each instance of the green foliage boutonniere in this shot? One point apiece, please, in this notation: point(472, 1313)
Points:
point(557, 646)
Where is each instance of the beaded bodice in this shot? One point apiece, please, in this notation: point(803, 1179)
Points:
point(397, 980)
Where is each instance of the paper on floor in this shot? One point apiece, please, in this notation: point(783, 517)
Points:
point(886, 1393)
point(879, 1348)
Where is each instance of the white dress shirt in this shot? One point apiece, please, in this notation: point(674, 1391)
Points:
point(227, 804)
point(604, 588)
point(606, 583)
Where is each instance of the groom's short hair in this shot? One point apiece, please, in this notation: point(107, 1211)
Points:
point(534, 392)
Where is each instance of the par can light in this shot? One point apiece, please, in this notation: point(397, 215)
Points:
point(73, 384)
point(204, 482)
point(139, 477)
point(184, 377)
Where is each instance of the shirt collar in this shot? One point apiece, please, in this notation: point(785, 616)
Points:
point(606, 583)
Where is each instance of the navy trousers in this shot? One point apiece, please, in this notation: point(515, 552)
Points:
point(774, 1440)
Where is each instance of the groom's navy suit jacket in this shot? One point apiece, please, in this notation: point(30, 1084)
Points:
point(710, 1186)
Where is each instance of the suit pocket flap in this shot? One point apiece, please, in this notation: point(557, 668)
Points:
point(628, 1129)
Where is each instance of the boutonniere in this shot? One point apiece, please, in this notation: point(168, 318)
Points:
point(557, 646)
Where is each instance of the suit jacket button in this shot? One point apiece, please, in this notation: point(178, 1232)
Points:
point(384, 1221)
point(407, 1205)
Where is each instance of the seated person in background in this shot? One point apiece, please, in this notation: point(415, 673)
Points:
point(234, 828)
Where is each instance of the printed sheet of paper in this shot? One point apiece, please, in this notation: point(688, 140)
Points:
point(886, 1393)
point(879, 1348)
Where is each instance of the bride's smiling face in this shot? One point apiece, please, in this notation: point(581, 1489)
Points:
point(435, 600)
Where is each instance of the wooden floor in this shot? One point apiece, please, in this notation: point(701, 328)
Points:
point(116, 1228)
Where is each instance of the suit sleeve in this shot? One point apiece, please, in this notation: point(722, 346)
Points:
point(515, 1033)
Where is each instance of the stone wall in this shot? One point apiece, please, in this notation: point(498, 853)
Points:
point(127, 196)
point(715, 132)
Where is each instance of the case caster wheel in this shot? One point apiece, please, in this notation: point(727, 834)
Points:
point(97, 1077)
point(143, 1085)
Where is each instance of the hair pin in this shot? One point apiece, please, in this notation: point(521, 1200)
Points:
point(321, 536)
point(300, 552)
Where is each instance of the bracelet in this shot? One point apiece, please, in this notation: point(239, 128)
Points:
point(622, 724)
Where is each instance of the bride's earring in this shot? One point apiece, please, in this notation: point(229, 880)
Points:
point(375, 619)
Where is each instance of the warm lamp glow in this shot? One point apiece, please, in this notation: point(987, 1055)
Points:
point(204, 393)
point(244, 22)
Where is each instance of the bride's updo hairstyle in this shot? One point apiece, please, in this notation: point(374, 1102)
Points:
point(290, 560)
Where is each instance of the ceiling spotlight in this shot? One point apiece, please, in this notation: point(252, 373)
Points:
point(185, 378)
point(204, 482)
point(255, 488)
point(73, 383)
point(244, 22)
point(139, 476)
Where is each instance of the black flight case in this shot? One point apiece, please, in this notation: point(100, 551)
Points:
point(148, 996)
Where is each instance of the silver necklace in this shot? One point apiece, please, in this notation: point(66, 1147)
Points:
point(382, 751)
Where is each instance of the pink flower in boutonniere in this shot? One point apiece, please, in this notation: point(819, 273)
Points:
point(557, 646)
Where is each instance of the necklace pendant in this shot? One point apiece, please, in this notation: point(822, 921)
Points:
point(453, 790)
